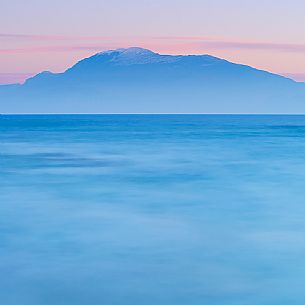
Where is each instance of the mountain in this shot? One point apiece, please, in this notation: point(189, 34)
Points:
point(137, 80)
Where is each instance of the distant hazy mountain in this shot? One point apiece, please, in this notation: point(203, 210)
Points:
point(137, 80)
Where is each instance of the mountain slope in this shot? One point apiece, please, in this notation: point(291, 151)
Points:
point(136, 80)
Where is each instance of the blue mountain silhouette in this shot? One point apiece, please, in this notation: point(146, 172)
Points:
point(136, 80)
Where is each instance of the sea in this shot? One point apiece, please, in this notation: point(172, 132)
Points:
point(152, 209)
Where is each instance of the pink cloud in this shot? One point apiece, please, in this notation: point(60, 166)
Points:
point(283, 47)
point(50, 37)
point(195, 43)
point(52, 49)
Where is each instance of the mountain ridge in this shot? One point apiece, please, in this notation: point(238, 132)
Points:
point(140, 80)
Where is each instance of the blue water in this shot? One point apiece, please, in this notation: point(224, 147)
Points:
point(152, 210)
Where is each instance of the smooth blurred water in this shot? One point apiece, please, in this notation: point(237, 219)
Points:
point(152, 210)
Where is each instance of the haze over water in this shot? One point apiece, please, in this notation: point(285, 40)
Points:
point(152, 210)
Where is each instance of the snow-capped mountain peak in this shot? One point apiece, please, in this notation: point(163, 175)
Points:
point(130, 51)
point(137, 55)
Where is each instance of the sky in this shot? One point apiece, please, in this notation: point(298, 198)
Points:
point(39, 35)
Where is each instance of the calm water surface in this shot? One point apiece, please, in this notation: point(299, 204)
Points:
point(152, 210)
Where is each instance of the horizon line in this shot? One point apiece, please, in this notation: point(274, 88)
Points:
point(153, 113)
